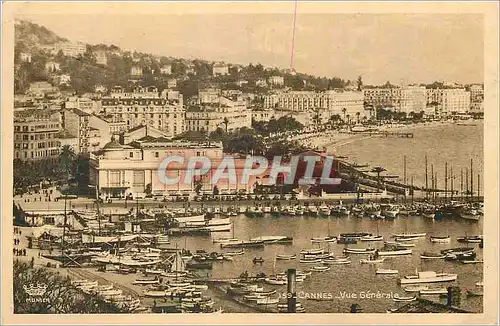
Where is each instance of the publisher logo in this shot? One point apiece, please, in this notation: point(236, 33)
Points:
point(36, 293)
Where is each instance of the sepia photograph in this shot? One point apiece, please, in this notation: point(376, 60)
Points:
point(254, 158)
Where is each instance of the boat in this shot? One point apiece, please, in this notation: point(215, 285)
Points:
point(324, 239)
point(320, 268)
point(272, 239)
point(267, 301)
point(286, 257)
point(405, 245)
point(243, 244)
point(225, 240)
point(434, 291)
point(386, 271)
point(409, 235)
point(471, 261)
point(480, 283)
point(235, 253)
point(355, 235)
point(474, 294)
point(324, 210)
point(460, 256)
point(372, 238)
point(416, 288)
point(428, 277)
point(156, 293)
point(310, 261)
point(372, 260)
point(406, 239)
point(432, 255)
point(320, 256)
point(347, 241)
point(275, 281)
point(395, 252)
point(398, 298)
point(318, 251)
point(189, 219)
point(470, 239)
point(145, 281)
point(258, 260)
point(359, 251)
point(337, 261)
point(443, 239)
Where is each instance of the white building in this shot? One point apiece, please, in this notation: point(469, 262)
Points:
point(410, 99)
point(476, 93)
point(136, 71)
point(166, 69)
point(220, 69)
point(101, 58)
point(25, 57)
point(209, 95)
point(71, 49)
point(172, 83)
point(84, 104)
point(52, 66)
point(449, 100)
point(276, 80)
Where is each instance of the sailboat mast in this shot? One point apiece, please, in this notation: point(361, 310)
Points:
point(404, 170)
point(471, 182)
point(64, 224)
point(412, 191)
point(461, 182)
point(445, 181)
point(478, 190)
point(426, 179)
point(432, 182)
point(466, 184)
point(452, 177)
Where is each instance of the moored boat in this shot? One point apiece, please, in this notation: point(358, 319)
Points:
point(440, 239)
point(398, 298)
point(386, 271)
point(432, 255)
point(286, 257)
point(428, 277)
point(359, 251)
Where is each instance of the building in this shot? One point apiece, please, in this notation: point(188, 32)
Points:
point(100, 89)
point(220, 69)
point(101, 58)
point(64, 79)
point(136, 93)
point(76, 122)
point(144, 107)
point(226, 114)
point(84, 104)
point(476, 93)
point(410, 99)
point(71, 49)
point(140, 132)
point(65, 138)
point(276, 80)
point(119, 171)
point(449, 100)
point(379, 97)
point(209, 95)
point(116, 124)
point(25, 57)
point(41, 88)
point(261, 83)
point(52, 66)
point(262, 115)
point(172, 83)
point(166, 69)
point(136, 71)
point(346, 104)
point(35, 135)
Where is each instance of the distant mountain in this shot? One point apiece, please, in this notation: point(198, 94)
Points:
point(29, 36)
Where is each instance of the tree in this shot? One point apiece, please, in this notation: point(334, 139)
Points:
point(226, 122)
point(66, 158)
point(344, 110)
point(360, 83)
point(357, 116)
point(378, 170)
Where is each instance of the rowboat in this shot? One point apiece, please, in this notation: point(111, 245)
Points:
point(312, 251)
point(371, 261)
point(324, 239)
point(225, 240)
point(372, 238)
point(471, 261)
point(359, 251)
point(146, 281)
point(266, 301)
point(310, 261)
point(405, 245)
point(432, 255)
point(286, 257)
point(235, 253)
point(386, 271)
point(436, 239)
point(470, 239)
point(320, 268)
point(337, 261)
point(275, 281)
point(431, 291)
point(416, 288)
point(395, 252)
point(404, 299)
point(409, 235)
point(428, 277)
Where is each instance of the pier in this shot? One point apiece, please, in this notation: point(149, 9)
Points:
point(397, 134)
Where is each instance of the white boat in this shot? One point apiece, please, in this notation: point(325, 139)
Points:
point(359, 251)
point(386, 271)
point(372, 238)
point(312, 251)
point(272, 239)
point(275, 281)
point(431, 291)
point(267, 301)
point(406, 239)
point(371, 261)
point(320, 268)
point(395, 252)
point(310, 261)
point(436, 239)
point(479, 283)
point(225, 240)
point(313, 210)
point(324, 210)
point(286, 257)
point(471, 261)
point(267, 209)
point(235, 253)
point(212, 222)
point(337, 261)
point(324, 239)
point(431, 255)
point(398, 298)
point(415, 288)
point(409, 235)
point(156, 293)
point(154, 271)
point(146, 281)
point(320, 256)
point(406, 245)
point(190, 219)
point(428, 277)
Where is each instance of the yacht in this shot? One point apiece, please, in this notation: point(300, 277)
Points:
point(428, 277)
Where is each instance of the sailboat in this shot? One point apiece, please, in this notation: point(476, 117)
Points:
point(370, 237)
point(231, 239)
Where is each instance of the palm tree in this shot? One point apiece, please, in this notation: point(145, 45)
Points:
point(226, 122)
point(344, 110)
point(348, 119)
point(357, 116)
point(378, 170)
point(66, 158)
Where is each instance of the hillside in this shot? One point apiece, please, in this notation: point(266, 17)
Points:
point(86, 73)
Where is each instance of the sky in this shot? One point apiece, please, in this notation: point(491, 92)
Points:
point(400, 48)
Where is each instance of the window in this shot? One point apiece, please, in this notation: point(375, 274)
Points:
point(131, 154)
point(157, 154)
